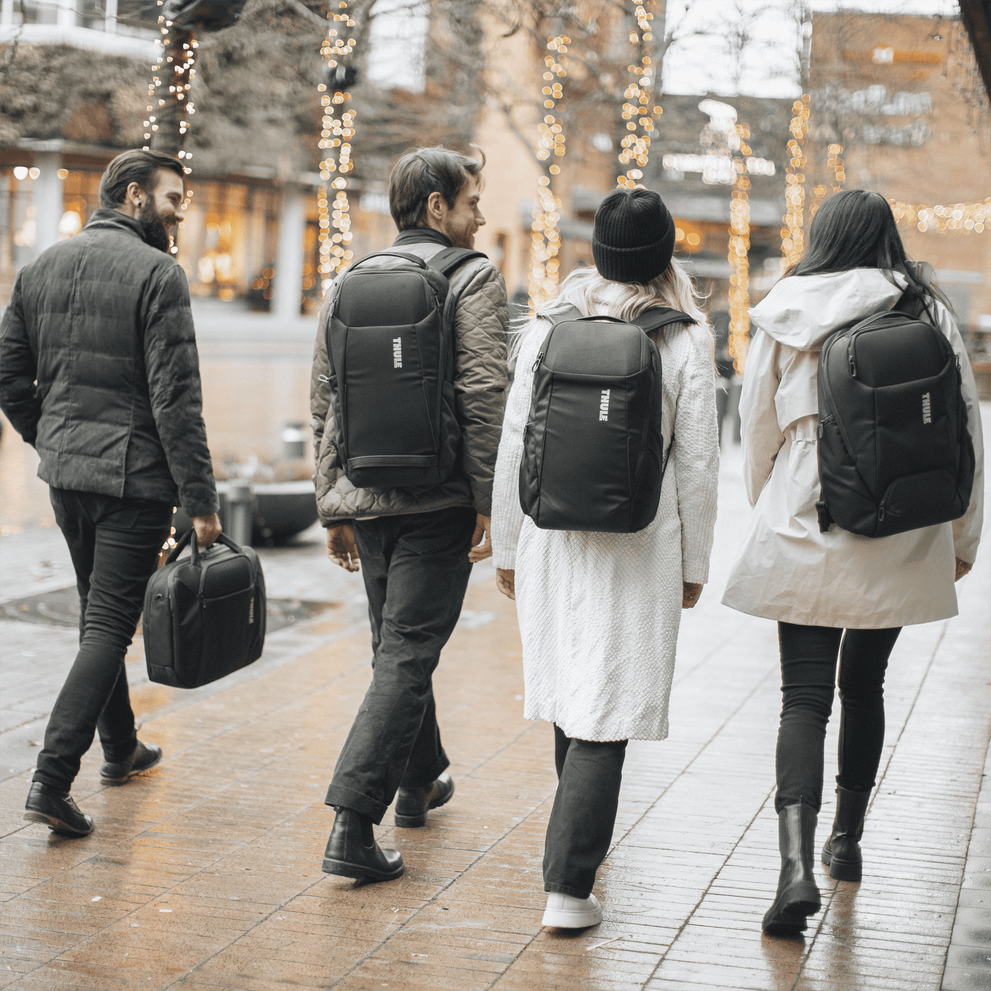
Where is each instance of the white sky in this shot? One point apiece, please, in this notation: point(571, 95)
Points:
point(769, 64)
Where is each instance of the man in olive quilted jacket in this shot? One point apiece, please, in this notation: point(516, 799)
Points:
point(99, 372)
point(416, 545)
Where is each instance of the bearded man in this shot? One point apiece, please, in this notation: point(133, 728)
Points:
point(99, 372)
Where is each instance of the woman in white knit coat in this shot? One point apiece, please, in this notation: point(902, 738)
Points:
point(599, 612)
point(835, 595)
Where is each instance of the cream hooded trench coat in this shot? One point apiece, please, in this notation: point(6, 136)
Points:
point(788, 570)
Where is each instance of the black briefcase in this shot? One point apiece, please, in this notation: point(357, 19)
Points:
point(204, 615)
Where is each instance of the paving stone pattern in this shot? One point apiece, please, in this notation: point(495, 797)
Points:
point(205, 873)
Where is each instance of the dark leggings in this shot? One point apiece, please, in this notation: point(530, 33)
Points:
point(580, 827)
point(808, 674)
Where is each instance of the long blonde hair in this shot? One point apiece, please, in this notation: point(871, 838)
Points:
point(593, 294)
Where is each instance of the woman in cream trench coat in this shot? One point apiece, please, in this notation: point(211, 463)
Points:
point(818, 585)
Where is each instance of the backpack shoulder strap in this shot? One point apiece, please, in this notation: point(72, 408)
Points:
point(448, 259)
point(911, 301)
point(661, 316)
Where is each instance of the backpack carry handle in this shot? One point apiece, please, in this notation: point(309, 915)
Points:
point(595, 318)
point(389, 252)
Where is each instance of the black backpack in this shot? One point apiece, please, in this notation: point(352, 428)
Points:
point(593, 456)
point(390, 343)
point(893, 446)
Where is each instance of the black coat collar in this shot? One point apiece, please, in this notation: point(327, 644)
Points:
point(104, 219)
point(420, 235)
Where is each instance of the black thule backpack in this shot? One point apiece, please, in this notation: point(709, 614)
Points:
point(391, 346)
point(893, 446)
point(593, 453)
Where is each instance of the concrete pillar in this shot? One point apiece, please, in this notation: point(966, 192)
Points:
point(6, 13)
point(49, 199)
point(289, 263)
point(110, 17)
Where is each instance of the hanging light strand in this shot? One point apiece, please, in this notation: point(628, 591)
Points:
point(336, 139)
point(637, 110)
point(739, 245)
point(835, 162)
point(793, 233)
point(172, 77)
point(974, 218)
point(545, 236)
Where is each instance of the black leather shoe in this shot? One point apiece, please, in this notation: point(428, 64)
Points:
point(142, 758)
point(797, 896)
point(841, 852)
point(352, 850)
point(412, 804)
point(58, 812)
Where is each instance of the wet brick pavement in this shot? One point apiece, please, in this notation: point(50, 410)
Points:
point(205, 873)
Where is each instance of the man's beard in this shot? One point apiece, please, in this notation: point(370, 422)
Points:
point(153, 227)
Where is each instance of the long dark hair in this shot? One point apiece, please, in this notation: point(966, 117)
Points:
point(856, 229)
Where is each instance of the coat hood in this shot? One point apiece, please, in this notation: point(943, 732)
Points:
point(803, 310)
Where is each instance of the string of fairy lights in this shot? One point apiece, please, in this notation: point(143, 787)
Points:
point(739, 247)
point(793, 233)
point(174, 76)
point(545, 234)
point(336, 139)
point(637, 110)
point(179, 82)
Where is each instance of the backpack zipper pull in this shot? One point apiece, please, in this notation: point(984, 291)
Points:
point(537, 361)
point(853, 366)
point(323, 378)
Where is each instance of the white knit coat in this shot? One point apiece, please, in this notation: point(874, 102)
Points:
point(787, 569)
point(599, 612)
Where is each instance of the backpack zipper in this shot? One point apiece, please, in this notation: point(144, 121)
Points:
point(540, 356)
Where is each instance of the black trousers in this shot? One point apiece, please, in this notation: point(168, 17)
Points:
point(580, 827)
point(114, 545)
point(808, 675)
point(416, 572)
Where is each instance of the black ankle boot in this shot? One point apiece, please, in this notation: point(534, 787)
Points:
point(352, 850)
point(797, 895)
point(841, 852)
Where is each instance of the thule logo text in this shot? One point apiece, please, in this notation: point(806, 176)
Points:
point(927, 413)
point(397, 352)
point(604, 405)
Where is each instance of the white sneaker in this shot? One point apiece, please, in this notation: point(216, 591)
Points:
point(568, 912)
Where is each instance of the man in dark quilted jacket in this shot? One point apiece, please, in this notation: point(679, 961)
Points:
point(416, 545)
point(99, 372)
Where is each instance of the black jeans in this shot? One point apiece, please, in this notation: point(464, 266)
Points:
point(114, 545)
point(808, 674)
point(416, 572)
point(579, 830)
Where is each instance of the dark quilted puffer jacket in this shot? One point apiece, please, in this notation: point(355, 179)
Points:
point(99, 368)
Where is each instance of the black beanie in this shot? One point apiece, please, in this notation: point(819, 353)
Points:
point(633, 236)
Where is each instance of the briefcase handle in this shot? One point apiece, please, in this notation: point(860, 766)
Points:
point(186, 538)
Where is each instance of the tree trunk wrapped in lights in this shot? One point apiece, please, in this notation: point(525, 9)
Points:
point(739, 245)
point(545, 237)
point(170, 109)
point(337, 133)
point(637, 110)
point(793, 235)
